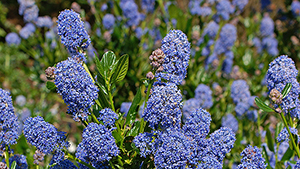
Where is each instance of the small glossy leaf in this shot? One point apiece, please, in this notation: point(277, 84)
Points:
point(286, 90)
point(99, 67)
point(107, 64)
point(287, 155)
point(135, 129)
point(13, 165)
point(121, 69)
point(132, 110)
point(263, 105)
point(50, 85)
point(270, 139)
point(102, 98)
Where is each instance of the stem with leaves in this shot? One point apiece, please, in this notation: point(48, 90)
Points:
point(6, 156)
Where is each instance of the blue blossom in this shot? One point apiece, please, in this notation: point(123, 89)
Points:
point(63, 164)
point(240, 4)
point(252, 158)
point(9, 124)
point(44, 136)
point(97, 145)
point(266, 26)
point(270, 44)
point(283, 136)
point(227, 65)
point(224, 9)
point(104, 7)
point(71, 30)
point(44, 21)
point(27, 31)
point(24, 4)
point(221, 142)
point(282, 71)
point(155, 34)
point(228, 36)
point(145, 142)
point(209, 162)
point(231, 122)
point(205, 11)
point(31, 13)
point(108, 117)
point(257, 43)
point(20, 100)
point(12, 39)
point(194, 6)
point(76, 88)
point(125, 106)
point(241, 108)
point(130, 11)
point(148, 5)
point(204, 95)
point(176, 48)
point(295, 7)
point(20, 160)
point(108, 21)
point(211, 30)
point(240, 91)
point(297, 166)
point(164, 106)
point(188, 107)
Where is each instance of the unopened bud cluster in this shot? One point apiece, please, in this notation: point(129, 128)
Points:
point(276, 96)
point(157, 59)
point(50, 73)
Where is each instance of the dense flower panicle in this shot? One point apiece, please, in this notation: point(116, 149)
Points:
point(211, 29)
point(252, 158)
point(241, 108)
point(130, 11)
point(12, 39)
point(108, 117)
point(176, 48)
point(44, 136)
point(108, 21)
point(270, 44)
point(210, 162)
point(266, 26)
point(148, 5)
point(31, 13)
point(146, 143)
point(297, 166)
point(228, 35)
point(24, 4)
point(227, 65)
point(197, 125)
point(63, 164)
point(221, 142)
point(44, 21)
point(164, 106)
point(20, 160)
point(27, 30)
point(282, 71)
point(9, 124)
point(295, 7)
point(76, 87)
point(71, 30)
point(231, 122)
point(97, 145)
point(204, 95)
point(284, 136)
point(194, 6)
point(257, 43)
point(224, 9)
point(240, 91)
point(188, 107)
point(252, 115)
point(240, 4)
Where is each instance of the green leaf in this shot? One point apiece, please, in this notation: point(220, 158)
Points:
point(287, 155)
point(270, 140)
point(263, 105)
point(102, 98)
point(131, 115)
point(278, 129)
point(135, 129)
point(286, 90)
point(121, 69)
point(107, 64)
point(50, 85)
point(13, 165)
point(279, 165)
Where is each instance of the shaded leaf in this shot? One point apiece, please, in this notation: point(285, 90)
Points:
point(263, 105)
point(286, 90)
point(270, 140)
point(50, 85)
point(287, 155)
point(131, 115)
point(121, 69)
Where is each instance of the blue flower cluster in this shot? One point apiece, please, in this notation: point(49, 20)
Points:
point(196, 9)
point(44, 21)
point(224, 9)
point(230, 121)
point(27, 31)
point(297, 166)
point(20, 160)
point(283, 136)
point(241, 96)
point(12, 38)
point(267, 40)
point(72, 31)
point(282, 71)
point(131, 13)
point(176, 48)
point(97, 146)
point(76, 88)
point(45, 137)
point(148, 5)
point(9, 124)
point(252, 158)
point(295, 7)
point(108, 21)
point(108, 117)
point(63, 164)
point(164, 106)
point(240, 4)
point(29, 10)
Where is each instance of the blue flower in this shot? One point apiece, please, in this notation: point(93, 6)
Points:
point(24, 4)
point(31, 13)
point(71, 30)
point(257, 43)
point(27, 30)
point(108, 21)
point(227, 65)
point(266, 26)
point(12, 39)
point(194, 6)
point(130, 11)
point(228, 36)
point(209, 162)
point(63, 164)
point(20, 160)
point(297, 166)
point(241, 108)
point(125, 106)
point(188, 107)
point(164, 106)
point(108, 117)
point(252, 158)
point(240, 91)
point(295, 7)
point(44, 21)
point(283, 136)
point(76, 88)
point(97, 146)
point(176, 48)
point(231, 122)
point(9, 124)
point(146, 143)
point(224, 9)
point(240, 4)
point(211, 30)
point(204, 95)
point(270, 44)
point(148, 5)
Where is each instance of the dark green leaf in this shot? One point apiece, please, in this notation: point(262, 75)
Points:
point(279, 165)
point(103, 99)
point(121, 69)
point(287, 155)
point(135, 129)
point(266, 157)
point(263, 105)
point(270, 140)
point(107, 64)
point(131, 115)
point(13, 165)
point(286, 90)
point(117, 136)
point(50, 85)
point(99, 67)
